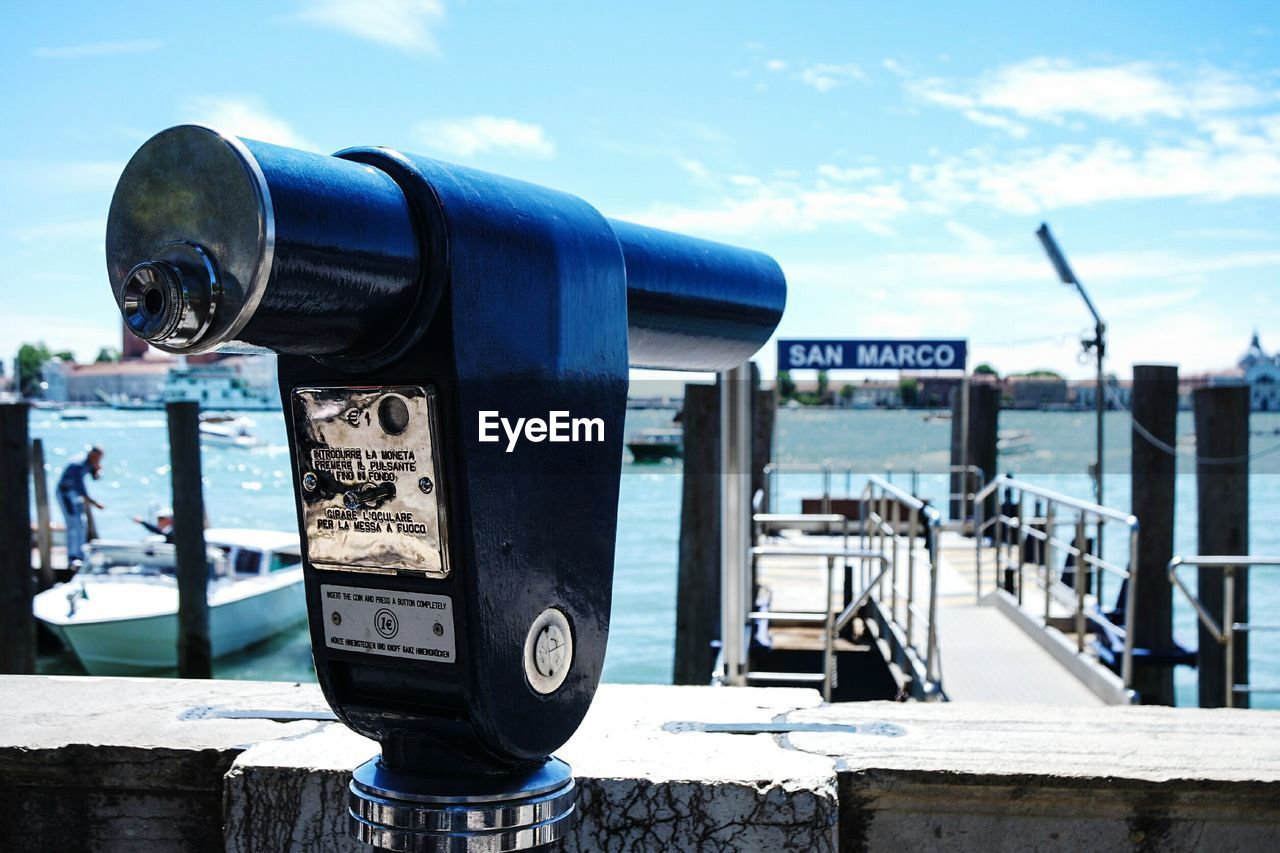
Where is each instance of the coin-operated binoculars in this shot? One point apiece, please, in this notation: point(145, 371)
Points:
point(453, 359)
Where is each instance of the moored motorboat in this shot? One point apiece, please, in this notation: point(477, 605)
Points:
point(224, 431)
point(1014, 442)
point(119, 614)
point(655, 445)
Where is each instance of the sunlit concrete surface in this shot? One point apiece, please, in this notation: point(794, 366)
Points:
point(98, 764)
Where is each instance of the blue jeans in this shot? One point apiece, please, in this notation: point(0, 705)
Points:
point(73, 513)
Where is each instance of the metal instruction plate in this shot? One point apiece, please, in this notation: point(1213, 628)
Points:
point(387, 622)
point(369, 486)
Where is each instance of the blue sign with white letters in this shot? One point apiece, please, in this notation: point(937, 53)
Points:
point(870, 354)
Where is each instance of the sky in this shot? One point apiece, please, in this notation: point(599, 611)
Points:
point(895, 159)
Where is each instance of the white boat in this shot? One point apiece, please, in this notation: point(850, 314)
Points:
point(1014, 442)
point(119, 614)
point(228, 432)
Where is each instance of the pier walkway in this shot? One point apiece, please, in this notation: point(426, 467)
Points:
point(990, 651)
point(986, 655)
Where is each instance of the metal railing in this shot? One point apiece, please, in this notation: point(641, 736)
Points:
point(885, 577)
point(1007, 530)
point(973, 481)
point(1225, 631)
point(884, 505)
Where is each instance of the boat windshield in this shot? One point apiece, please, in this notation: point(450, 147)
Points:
point(144, 559)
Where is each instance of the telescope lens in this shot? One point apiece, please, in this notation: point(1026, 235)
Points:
point(148, 296)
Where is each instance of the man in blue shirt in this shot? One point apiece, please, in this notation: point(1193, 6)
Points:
point(72, 497)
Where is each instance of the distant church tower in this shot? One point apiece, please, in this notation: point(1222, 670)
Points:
point(1262, 372)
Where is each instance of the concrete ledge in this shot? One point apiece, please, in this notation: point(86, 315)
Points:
point(1104, 683)
point(113, 764)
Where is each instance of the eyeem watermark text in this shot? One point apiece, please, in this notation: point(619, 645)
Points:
point(557, 427)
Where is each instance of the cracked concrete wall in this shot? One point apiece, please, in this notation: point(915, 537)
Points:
point(635, 814)
point(641, 787)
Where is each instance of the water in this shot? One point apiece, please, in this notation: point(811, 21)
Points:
point(252, 488)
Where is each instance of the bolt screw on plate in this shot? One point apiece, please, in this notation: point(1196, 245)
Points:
point(310, 481)
point(426, 485)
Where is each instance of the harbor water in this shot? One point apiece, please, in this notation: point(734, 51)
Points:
point(252, 488)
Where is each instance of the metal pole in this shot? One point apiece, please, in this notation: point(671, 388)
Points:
point(1229, 633)
point(1049, 521)
point(735, 509)
point(893, 571)
point(998, 533)
point(912, 519)
point(1130, 609)
point(1081, 550)
point(1022, 538)
point(931, 662)
point(829, 635)
point(1099, 340)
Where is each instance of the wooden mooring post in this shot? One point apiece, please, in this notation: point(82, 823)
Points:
point(17, 624)
point(194, 654)
point(1153, 473)
point(698, 580)
point(1222, 491)
point(983, 435)
point(44, 528)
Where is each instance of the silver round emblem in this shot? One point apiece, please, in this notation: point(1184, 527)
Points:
point(548, 651)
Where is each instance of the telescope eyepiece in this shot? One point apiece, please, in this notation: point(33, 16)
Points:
point(171, 300)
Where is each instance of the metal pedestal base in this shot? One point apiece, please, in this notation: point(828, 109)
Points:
point(424, 814)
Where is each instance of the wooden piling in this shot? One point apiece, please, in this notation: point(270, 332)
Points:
point(194, 656)
point(1222, 491)
point(983, 433)
point(698, 580)
point(44, 529)
point(1153, 473)
point(17, 624)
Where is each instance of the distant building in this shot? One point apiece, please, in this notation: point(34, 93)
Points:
point(1256, 368)
point(235, 382)
point(1262, 372)
point(1083, 394)
point(935, 392)
point(136, 380)
point(1036, 392)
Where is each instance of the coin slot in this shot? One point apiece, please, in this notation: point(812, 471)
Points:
point(393, 415)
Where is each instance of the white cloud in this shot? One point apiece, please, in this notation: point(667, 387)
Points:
point(1053, 90)
point(751, 205)
point(471, 135)
point(1238, 159)
point(849, 174)
point(406, 24)
point(776, 65)
point(243, 116)
point(98, 48)
point(1015, 129)
point(826, 76)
